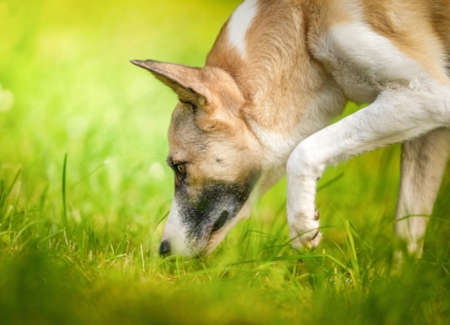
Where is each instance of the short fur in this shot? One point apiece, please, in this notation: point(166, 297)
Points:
point(262, 103)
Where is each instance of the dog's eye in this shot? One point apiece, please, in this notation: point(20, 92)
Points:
point(191, 105)
point(180, 173)
point(180, 169)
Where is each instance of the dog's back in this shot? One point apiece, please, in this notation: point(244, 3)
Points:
point(441, 21)
point(413, 24)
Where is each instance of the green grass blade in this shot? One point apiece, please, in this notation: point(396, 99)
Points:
point(354, 256)
point(64, 193)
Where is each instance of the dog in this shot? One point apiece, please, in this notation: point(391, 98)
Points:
point(277, 74)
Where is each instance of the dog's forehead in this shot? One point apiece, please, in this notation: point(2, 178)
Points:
point(185, 138)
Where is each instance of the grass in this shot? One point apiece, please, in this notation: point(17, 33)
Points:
point(84, 192)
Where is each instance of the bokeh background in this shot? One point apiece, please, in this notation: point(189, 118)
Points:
point(79, 244)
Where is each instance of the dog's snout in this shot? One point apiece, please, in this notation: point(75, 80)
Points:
point(164, 249)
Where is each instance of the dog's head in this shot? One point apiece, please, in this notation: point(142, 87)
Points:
point(213, 154)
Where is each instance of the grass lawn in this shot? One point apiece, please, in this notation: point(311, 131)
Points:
point(79, 244)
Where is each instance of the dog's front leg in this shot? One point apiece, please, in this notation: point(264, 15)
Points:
point(396, 115)
point(303, 221)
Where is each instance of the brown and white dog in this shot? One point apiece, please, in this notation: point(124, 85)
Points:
point(279, 71)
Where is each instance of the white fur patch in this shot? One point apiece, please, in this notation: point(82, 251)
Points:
point(239, 24)
point(175, 231)
point(364, 62)
point(374, 54)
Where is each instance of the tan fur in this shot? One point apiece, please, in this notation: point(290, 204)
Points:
point(288, 30)
point(281, 82)
point(419, 28)
point(278, 60)
point(280, 69)
point(426, 44)
point(213, 141)
point(441, 21)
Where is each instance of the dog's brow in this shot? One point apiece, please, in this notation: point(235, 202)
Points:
point(171, 162)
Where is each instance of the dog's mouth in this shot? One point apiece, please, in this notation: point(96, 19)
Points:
point(215, 236)
point(226, 222)
point(220, 222)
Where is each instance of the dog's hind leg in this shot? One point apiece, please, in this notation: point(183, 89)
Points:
point(423, 164)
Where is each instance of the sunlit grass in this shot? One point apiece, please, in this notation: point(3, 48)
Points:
point(84, 192)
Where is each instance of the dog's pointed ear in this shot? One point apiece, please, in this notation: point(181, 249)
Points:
point(184, 80)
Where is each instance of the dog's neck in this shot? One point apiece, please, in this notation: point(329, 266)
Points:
point(289, 96)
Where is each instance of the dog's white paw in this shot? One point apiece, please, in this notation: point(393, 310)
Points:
point(306, 235)
point(307, 241)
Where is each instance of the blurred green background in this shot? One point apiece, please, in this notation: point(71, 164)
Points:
point(66, 87)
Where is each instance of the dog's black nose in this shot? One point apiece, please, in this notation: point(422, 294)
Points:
point(164, 249)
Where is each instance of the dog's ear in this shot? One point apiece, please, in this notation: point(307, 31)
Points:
point(213, 91)
point(184, 80)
